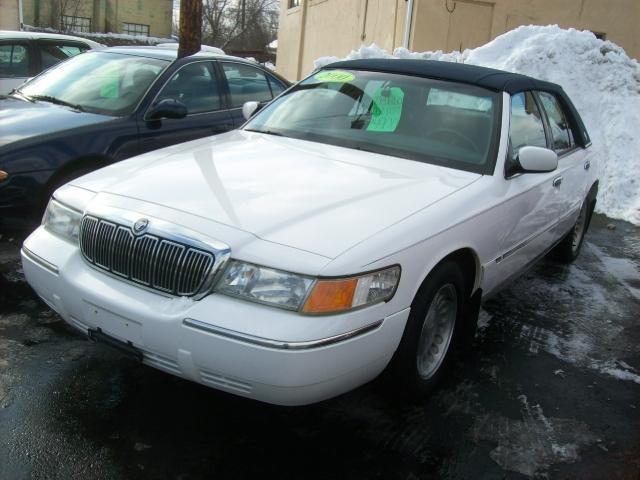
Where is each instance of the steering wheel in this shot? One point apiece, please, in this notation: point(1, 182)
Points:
point(453, 137)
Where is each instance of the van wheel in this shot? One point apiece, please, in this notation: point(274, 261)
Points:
point(569, 247)
point(432, 331)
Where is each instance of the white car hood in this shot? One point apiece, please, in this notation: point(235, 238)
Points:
point(315, 197)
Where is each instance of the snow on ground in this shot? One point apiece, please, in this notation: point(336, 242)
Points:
point(602, 81)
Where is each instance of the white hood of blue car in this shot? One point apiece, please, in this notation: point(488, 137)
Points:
point(312, 196)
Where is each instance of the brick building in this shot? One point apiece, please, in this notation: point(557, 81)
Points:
point(134, 17)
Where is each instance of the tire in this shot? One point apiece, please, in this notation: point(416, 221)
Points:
point(424, 354)
point(569, 247)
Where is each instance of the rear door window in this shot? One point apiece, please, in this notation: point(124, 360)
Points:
point(246, 84)
point(14, 60)
point(560, 130)
point(276, 87)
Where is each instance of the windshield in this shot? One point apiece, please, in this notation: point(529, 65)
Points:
point(433, 121)
point(98, 82)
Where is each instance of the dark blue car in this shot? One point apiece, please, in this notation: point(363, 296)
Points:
point(104, 106)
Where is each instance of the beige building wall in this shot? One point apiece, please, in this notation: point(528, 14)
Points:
point(9, 15)
point(317, 28)
point(47, 13)
point(158, 14)
point(105, 15)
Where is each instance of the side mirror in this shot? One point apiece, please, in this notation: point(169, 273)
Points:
point(537, 159)
point(167, 108)
point(249, 109)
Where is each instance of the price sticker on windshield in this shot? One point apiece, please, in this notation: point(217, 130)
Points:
point(339, 76)
point(110, 87)
point(386, 110)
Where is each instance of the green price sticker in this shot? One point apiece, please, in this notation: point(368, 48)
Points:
point(110, 87)
point(334, 76)
point(387, 110)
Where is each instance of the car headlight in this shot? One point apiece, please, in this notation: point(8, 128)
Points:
point(264, 285)
point(304, 293)
point(62, 220)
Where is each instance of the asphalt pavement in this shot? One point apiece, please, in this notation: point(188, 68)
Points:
point(551, 390)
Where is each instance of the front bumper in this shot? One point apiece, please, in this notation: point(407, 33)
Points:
point(251, 350)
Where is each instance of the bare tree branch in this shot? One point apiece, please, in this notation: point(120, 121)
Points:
point(242, 24)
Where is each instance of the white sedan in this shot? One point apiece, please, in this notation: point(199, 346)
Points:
point(352, 226)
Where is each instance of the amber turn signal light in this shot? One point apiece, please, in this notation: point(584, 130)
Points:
point(331, 296)
point(342, 294)
point(3, 175)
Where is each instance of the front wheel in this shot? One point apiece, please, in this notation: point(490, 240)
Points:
point(432, 331)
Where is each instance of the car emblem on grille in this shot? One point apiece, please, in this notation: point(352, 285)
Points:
point(140, 226)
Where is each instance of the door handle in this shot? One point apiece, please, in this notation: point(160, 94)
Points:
point(557, 181)
point(587, 165)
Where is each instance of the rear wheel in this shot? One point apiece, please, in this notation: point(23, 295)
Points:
point(569, 247)
point(432, 332)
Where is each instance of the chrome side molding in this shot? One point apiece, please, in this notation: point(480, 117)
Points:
point(39, 260)
point(277, 344)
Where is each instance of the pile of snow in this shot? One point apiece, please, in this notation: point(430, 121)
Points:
point(602, 81)
point(203, 48)
point(125, 36)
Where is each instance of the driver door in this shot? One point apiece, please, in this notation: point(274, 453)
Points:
point(527, 221)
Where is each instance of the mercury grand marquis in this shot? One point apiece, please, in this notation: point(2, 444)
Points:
point(352, 226)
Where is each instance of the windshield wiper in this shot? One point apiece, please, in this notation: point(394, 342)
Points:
point(57, 101)
point(17, 93)
point(268, 132)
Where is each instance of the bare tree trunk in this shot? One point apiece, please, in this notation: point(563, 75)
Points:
point(190, 27)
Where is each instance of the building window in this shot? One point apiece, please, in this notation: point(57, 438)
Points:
point(135, 29)
point(75, 24)
point(294, 3)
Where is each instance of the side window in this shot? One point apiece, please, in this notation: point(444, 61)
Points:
point(560, 130)
point(526, 127)
point(14, 60)
point(53, 53)
point(196, 86)
point(276, 87)
point(246, 84)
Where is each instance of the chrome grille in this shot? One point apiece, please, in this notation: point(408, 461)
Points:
point(148, 260)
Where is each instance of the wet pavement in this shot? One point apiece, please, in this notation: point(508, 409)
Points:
point(552, 390)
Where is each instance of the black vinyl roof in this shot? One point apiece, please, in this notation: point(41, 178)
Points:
point(493, 79)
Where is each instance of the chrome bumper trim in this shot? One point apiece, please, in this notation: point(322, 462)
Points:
point(39, 260)
point(277, 344)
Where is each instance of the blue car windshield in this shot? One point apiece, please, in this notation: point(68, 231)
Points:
point(97, 82)
point(433, 121)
